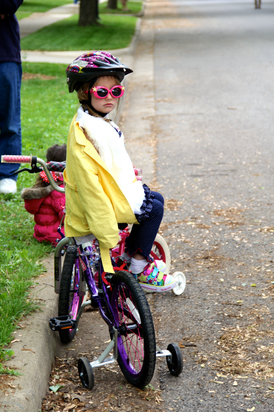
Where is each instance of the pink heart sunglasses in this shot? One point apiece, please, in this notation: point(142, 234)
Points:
point(102, 92)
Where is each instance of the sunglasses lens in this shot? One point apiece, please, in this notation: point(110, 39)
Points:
point(102, 92)
point(116, 91)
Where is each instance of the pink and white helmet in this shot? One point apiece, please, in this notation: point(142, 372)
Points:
point(94, 64)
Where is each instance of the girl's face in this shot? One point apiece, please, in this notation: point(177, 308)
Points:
point(109, 103)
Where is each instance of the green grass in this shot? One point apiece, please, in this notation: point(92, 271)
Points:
point(115, 33)
point(47, 109)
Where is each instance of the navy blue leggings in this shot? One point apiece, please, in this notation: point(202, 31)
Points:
point(143, 235)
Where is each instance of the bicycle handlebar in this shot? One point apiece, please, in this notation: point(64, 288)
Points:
point(33, 160)
point(16, 159)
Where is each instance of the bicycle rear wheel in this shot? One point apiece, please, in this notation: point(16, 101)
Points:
point(136, 336)
point(70, 300)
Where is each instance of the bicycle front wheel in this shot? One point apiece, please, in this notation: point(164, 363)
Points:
point(70, 300)
point(136, 336)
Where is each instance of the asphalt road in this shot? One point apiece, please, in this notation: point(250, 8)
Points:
point(213, 79)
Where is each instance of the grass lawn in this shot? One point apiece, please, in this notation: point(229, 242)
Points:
point(47, 109)
point(115, 33)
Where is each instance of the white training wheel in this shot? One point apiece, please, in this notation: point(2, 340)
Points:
point(181, 283)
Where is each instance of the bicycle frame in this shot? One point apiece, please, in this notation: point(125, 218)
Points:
point(86, 278)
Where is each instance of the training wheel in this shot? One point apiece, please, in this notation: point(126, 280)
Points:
point(181, 283)
point(175, 361)
point(86, 373)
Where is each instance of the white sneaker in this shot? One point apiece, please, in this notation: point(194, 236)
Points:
point(153, 280)
point(8, 186)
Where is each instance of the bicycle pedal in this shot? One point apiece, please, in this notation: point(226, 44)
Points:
point(62, 322)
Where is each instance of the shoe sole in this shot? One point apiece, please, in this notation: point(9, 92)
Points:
point(153, 288)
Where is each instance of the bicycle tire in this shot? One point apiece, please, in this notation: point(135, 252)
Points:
point(160, 250)
point(136, 336)
point(69, 299)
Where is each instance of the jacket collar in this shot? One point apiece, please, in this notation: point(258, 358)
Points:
point(89, 149)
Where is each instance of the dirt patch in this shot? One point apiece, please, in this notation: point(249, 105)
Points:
point(6, 382)
point(172, 204)
point(31, 76)
point(111, 390)
point(243, 351)
point(232, 216)
point(116, 395)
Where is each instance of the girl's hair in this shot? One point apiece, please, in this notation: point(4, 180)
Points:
point(83, 97)
point(55, 153)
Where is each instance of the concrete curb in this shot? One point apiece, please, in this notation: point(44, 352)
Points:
point(34, 347)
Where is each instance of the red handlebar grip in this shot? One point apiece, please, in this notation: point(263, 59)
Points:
point(15, 159)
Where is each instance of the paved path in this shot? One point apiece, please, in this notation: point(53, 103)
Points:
point(37, 21)
point(213, 136)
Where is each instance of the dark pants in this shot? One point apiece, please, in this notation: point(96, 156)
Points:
point(143, 235)
point(10, 115)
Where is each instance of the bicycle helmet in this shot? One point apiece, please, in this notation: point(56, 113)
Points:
point(94, 64)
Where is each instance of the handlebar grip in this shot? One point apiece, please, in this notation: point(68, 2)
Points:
point(15, 159)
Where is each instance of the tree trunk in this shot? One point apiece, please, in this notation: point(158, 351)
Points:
point(88, 13)
point(112, 4)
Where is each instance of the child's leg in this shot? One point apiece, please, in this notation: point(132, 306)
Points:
point(139, 244)
point(142, 236)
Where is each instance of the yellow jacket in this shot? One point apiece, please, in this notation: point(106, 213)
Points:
point(94, 202)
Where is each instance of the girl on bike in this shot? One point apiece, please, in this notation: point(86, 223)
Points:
point(101, 188)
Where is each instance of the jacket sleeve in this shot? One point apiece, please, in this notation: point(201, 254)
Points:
point(33, 205)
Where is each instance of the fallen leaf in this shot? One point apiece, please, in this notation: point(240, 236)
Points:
point(28, 350)
point(16, 340)
point(55, 388)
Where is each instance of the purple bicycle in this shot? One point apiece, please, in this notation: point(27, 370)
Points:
point(118, 296)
